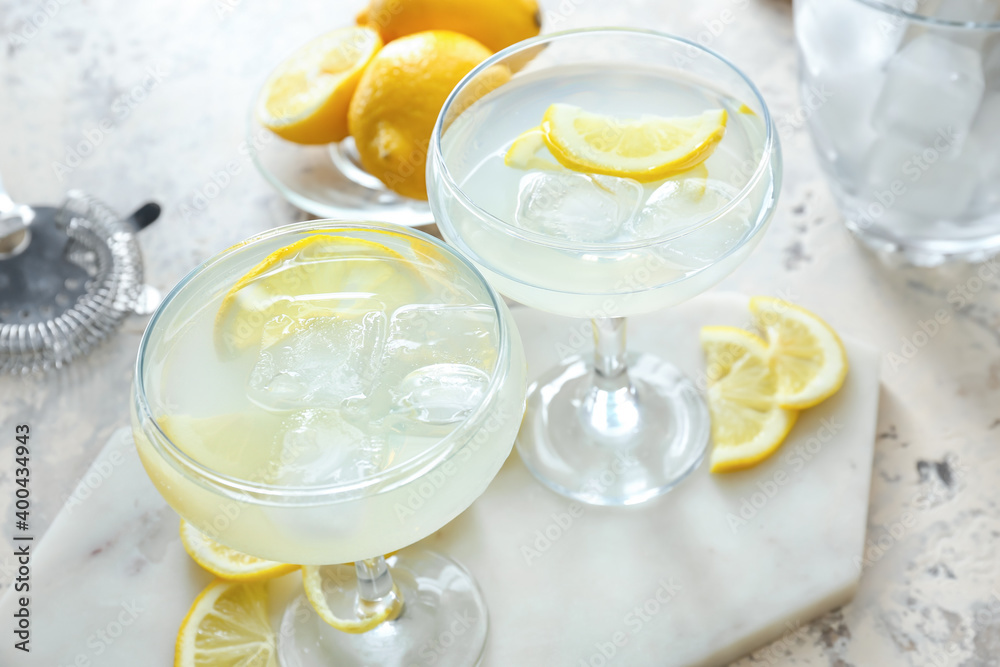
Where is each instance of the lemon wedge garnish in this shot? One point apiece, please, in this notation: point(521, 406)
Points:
point(339, 582)
point(306, 98)
point(323, 275)
point(647, 149)
point(227, 625)
point(808, 355)
point(747, 424)
point(527, 152)
point(228, 563)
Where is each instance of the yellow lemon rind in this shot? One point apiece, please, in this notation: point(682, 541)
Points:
point(313, 585)
point(573, 151)
point(322, 120)
point(185, 647)
point(777, 422)
point(834, 371)
point(732, 459)
point(200, 547)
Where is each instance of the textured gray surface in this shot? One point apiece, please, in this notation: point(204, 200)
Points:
point(930, 593)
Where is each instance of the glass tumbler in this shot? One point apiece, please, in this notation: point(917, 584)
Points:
point(903, 103)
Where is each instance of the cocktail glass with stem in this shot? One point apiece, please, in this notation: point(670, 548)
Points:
point(327, 393)
point(619, 427)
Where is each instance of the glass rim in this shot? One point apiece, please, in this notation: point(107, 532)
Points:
point(410, 470)
point(437, 154)
point(882, 6)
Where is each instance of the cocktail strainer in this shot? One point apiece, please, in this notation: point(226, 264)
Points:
point(68, 278)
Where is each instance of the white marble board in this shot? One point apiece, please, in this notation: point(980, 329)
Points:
point(711, 571)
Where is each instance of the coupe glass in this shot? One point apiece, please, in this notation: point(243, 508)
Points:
point(363, 515)
point(611, 427)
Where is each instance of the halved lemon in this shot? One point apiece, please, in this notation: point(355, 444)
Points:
point(647, 149)
point(306, 98)
point(323, 275)
point(228, 563)
point(227, 625)
point(747, 424)
point(355, 616)
point(808, 355)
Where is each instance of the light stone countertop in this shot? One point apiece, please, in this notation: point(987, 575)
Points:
point(138, 101)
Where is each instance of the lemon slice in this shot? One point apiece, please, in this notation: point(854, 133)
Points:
point(323, 582)
point(747, 425)
point(808, 355)
point(323, 275)
point(227, 625)
point(306, 98)
point(647, 149)
point(524, 152)
point(228, 563)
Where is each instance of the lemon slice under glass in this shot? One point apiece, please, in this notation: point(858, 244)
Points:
point(306, 98)
point(747, 424)
point(228, 563)
point(646, 149)
point(227, 625)
point(322, 583)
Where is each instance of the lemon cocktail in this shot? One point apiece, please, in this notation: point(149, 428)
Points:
point(602, 174)
point(329, 393)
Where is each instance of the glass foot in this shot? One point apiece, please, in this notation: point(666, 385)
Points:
point(443, 622)
point(619, 447)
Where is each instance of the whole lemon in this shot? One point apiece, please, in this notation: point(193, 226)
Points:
point(495, 23)
point(397, 101)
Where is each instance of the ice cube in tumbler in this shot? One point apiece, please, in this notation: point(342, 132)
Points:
point(844, 35)
point(932, 85)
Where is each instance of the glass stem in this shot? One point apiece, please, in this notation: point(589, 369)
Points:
point(376, 590)
point(610, 361)
point(610, 407)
